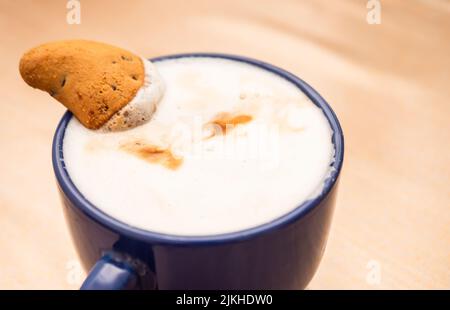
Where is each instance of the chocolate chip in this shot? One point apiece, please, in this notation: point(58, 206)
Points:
point(114, 87)
point(63, 82)
point(134, 77)
point(126, 58)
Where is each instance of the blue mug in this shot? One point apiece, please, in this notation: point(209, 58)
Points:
point(281, 254)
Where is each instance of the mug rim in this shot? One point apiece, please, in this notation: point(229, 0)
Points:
point(80, 202)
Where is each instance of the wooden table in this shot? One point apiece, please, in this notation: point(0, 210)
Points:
point(388, 84)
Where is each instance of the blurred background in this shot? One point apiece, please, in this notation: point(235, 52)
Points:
point(387, 82)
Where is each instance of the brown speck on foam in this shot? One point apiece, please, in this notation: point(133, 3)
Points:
point(152, 154)
point(226, 122)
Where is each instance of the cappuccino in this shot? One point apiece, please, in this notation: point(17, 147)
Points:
point(230, 146)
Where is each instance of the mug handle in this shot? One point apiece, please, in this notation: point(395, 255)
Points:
point(111, 274)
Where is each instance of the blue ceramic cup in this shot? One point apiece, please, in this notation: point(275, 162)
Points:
point(281, 254)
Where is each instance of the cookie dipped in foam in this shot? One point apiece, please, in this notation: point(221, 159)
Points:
point(104, 86)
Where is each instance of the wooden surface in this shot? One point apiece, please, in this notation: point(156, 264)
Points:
point(388, 84)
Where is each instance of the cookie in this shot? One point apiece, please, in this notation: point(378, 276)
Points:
point(93, 80)
point(139, 110)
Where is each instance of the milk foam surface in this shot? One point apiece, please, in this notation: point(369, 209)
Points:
point(275, 158)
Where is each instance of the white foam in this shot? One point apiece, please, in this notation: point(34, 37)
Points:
point(217, 188)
